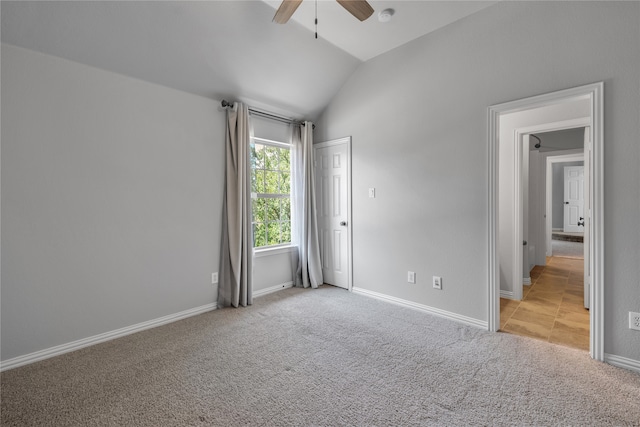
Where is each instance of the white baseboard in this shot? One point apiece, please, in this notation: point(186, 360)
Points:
point(421, 307)
point(96, 339)
point(506, 294)
point(272, 289)
point(622, 362)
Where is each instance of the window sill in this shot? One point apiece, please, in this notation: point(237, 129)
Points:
point(258, 253)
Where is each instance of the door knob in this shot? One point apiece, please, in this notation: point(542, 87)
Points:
point(524, 243)
point(566, 203)
point(343, 223)
point(580, 223)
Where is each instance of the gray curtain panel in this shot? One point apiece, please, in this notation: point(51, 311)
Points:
point(306, 259)
point(235, 286)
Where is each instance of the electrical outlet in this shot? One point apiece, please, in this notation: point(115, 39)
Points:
point(411, 277)
point(634, 321)
point(372, 193)
point(214, 278)
point(437, 282)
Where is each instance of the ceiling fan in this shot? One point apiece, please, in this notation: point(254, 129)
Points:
point(358, 8)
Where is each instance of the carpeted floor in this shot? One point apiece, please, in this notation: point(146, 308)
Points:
point(566, 249)
point(321, 357)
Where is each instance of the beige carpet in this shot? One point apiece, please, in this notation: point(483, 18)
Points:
point(566, 249)
point(320, 358)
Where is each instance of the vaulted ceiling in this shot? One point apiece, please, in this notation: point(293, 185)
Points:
point(225, 49)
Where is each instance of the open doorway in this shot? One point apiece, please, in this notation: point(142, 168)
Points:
point(557, 111)
point(551, 304)
point(565, 204)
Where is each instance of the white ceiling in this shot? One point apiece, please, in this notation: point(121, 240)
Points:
point(225, 49)
point(365, 40)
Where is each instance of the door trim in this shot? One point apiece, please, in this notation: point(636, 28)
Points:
point(521, 135)
point(564, 158)
point(345, 140)
point(594, 92)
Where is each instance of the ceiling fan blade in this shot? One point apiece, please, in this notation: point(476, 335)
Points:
point(358, 8)
point(286, 9)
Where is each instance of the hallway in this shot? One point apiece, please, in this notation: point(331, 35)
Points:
point(552, 307)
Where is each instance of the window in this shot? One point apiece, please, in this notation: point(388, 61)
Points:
point(270, 192)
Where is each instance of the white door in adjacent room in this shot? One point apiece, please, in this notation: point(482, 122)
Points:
point(333, 196)
point(573, 199)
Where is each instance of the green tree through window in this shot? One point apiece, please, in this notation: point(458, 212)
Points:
point(270, 192)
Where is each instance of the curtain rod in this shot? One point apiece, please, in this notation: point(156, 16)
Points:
point(266, 114)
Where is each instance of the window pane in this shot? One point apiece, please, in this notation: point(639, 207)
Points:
point(259, 234)
point(259, 208)
point(273, 209)
point(271, 182)
point(273, 233)
point(285, 213)
point(271, 157)
point(259, 156)
point(271, 175)
point(259, 182)
point(285, 183)
point(285, 163)
point(254, 182)
point(286, 232)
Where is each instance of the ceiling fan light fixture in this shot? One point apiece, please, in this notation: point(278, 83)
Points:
point(385, 15)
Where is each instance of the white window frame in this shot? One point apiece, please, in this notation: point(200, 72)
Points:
point(272, 249)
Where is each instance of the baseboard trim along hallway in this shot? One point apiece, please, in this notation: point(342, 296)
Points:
point(106, 336)
point(506, 294)
point(421, 307)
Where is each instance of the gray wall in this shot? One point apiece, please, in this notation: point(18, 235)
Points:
point(111, 201)
point(557, 196)
point(418, 119)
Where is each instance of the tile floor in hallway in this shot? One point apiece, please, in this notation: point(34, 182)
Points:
point(552, 307)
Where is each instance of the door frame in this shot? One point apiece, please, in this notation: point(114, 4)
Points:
point(595, 93)
point(520, 193)
point(563, 158)
point(347, 141)
point(521, 139)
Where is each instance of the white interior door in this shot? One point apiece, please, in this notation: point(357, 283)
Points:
point(573, 199)
point(333, 185)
